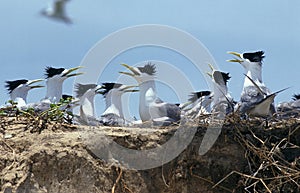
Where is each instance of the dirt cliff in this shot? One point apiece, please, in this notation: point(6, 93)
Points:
point(248, 155)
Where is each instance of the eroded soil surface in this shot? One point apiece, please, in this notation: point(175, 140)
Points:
point(62, 158)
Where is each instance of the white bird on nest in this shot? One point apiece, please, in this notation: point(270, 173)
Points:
point(151, 107)
point(18, 90)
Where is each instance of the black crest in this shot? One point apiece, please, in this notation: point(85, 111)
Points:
point(107, 86)
point(50, 72)
point(226, 77)
point(221, 77)
point(196, 95)
point(148, 69)
point(296, 97)
point(254, 56)
point(82, 88)
point(11, 85)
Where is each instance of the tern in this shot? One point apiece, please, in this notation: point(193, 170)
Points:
point(252, 63)
point(261, 108)
point(57, 11)
point(223, 103)
point(18, 90)
point(112, 93)
point(86, 95)
point(288, 109)
point(151, 107)
point(55, 78)
point(200, 103)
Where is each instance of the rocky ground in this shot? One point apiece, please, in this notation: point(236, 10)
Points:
point(57, 157)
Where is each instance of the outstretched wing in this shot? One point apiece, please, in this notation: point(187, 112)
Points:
point(59, 7)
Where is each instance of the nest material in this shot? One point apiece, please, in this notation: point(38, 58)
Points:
point(272, 152)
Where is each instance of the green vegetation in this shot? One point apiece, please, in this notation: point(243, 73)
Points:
point(37, 121)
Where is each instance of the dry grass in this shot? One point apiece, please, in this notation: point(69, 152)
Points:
point(272, 152)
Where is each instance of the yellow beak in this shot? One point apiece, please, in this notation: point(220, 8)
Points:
point(237, 55)
point(68, 73)
point(211, 66)
point(209, 74)
point(35, 81)
point(212, 69)
point(128, 88)
point(30, 82)
point(135, 73)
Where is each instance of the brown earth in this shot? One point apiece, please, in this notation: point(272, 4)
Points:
point(56, 159)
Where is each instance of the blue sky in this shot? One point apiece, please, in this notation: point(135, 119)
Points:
point(29, 42)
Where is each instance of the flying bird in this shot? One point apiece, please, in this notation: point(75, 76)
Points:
point(56, 11)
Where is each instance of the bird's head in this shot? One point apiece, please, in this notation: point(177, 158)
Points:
point(221, 78)
point(141, 74)
point(60, 74)
point(296, 97)
point(116, 89)
point(248, 59)
point(86, 90)
point(201, 94)
point(22, 85)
